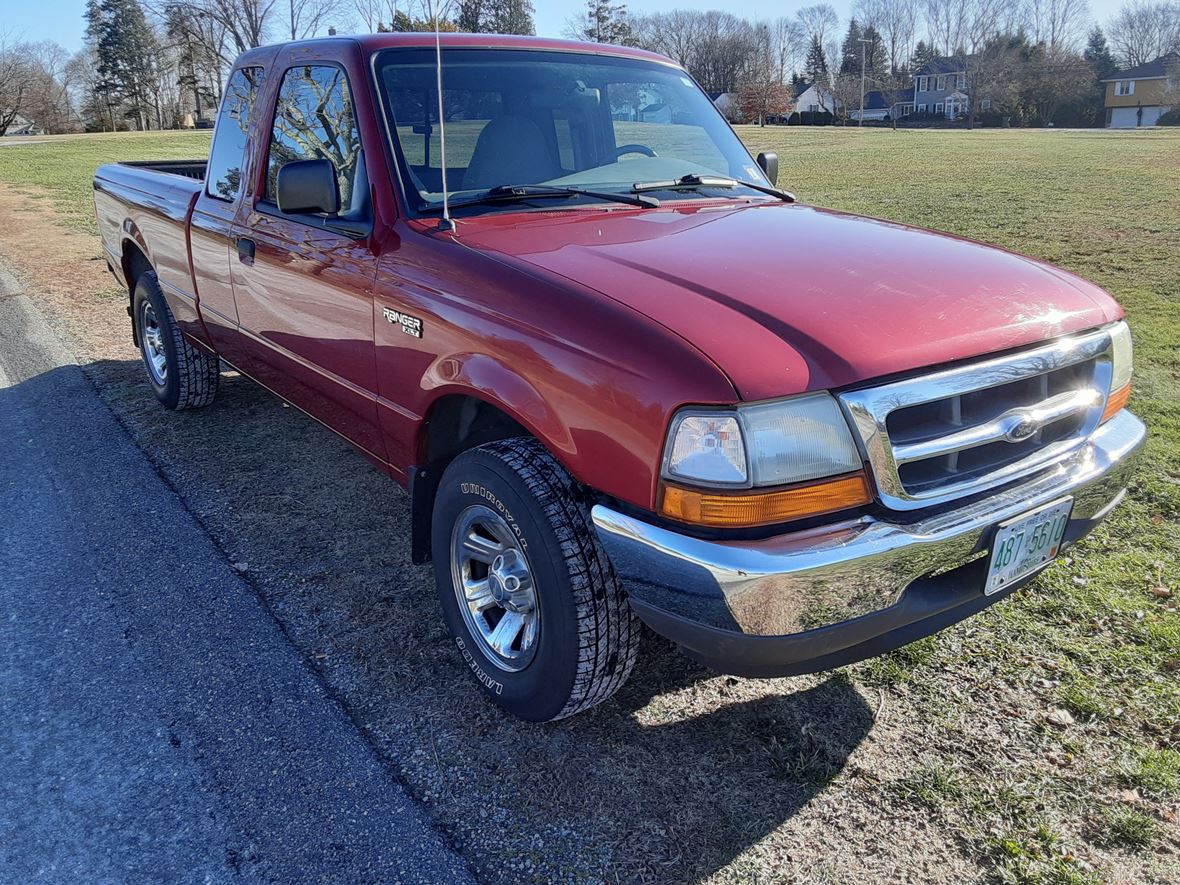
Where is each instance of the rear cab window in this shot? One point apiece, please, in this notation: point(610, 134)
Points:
point(227, 160)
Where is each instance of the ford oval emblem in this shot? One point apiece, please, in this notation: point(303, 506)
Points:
point(1022, 430)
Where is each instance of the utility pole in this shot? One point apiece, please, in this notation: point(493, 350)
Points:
point(862, 42)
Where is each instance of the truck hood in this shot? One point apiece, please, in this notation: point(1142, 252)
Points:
point(786, 298)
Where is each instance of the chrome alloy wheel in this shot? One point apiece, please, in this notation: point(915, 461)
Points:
point(494, 588)
point(151, 342)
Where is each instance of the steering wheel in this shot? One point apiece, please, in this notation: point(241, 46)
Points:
point(632, 149)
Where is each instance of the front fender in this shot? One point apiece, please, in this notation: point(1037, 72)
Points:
point(487, 378)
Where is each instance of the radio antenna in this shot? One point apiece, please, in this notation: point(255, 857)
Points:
point(444, 223)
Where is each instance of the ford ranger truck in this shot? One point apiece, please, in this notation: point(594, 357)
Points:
point(623, 376)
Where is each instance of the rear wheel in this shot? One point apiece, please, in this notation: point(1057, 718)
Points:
point(180, 374)
point(527, 591)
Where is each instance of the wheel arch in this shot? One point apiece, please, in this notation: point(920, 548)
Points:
point(460, 418)
point(134, 262)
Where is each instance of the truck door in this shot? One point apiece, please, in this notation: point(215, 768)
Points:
point(212, 219)
point(303, 283)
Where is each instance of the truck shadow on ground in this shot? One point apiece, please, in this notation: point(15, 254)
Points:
point(671, 780)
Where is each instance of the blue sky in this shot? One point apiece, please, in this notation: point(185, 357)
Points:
point(61, 20)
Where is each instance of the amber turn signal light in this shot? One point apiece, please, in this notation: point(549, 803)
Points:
point(746, 508)
point(1116, 402)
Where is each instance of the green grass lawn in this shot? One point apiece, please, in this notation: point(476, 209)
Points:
point(1098, 635)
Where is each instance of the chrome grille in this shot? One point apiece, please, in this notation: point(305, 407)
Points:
point(957, 431)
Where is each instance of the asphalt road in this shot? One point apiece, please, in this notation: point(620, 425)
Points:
point(155, 722)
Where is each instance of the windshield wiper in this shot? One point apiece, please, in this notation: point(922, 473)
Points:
point(509, 193)
point(693, 182)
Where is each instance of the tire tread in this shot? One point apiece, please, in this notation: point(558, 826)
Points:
point(197, 372)
point(608, 631)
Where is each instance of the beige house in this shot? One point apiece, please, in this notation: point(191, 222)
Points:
point(1141, 95)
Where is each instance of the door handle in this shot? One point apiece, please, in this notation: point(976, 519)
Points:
point(246, 249)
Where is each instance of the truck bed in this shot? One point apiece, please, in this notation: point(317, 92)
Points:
point(145, 206)
point(194, 169)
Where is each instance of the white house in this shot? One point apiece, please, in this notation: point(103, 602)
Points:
point(21, 126)
point(814, 98)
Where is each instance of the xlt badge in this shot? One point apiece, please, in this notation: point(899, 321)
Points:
point(410, 325)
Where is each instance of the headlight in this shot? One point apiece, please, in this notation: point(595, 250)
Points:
point(767, 444)
point(706, 448)
point(1121, 368)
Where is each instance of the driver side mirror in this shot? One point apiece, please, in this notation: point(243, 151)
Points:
point(308, 186)
point(768, 162)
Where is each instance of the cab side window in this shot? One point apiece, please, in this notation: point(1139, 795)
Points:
point(223, 176)
point(315, 119)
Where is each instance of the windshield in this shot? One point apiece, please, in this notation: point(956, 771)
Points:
point(567, 119)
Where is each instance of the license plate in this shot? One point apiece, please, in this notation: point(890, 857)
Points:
point(1024, 544)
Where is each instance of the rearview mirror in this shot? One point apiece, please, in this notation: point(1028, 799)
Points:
point(768, 161)
point(308, 186)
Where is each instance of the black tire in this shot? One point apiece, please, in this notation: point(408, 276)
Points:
point(191, 375)
point(587, 638)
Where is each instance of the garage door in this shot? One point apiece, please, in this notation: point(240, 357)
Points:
point(1129, 118)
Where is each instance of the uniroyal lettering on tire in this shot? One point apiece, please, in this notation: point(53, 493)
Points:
point(587, 638)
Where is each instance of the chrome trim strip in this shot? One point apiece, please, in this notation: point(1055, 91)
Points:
point(868, 410)
point(802, 580)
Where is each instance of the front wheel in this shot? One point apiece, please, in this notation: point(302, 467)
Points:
point(527, 591)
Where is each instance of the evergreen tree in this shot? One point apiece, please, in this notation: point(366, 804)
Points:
point(605, 22)
point(403, 23)
point(1098, 54)
point(815, 68)
point(472, 16)
point(850, 49)
point(495, 17)
point(104, 87)
point(873, 52)
point(127, 52)
point(876, 55)
point(923, 54)
point(510, 17)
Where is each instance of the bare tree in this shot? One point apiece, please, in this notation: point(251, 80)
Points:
point(1052, 78)
point(715, 47)
point(1144, 30)
point(1058, 24)
point(763, 92)
point(821, 24)
point(16, 70)
point(306, 18)
point(846, 94)
point(897, 23)
point(788, 44)
point(992, 76)
point(49, 100)
point(819, 21)
point(245, 24)
point(374, 14)
point(944, 23)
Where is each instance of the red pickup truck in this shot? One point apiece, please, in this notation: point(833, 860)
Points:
point(623, 376)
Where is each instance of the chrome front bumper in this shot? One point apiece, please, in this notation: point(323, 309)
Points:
point(828, 596)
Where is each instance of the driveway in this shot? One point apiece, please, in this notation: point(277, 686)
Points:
point(155, 721)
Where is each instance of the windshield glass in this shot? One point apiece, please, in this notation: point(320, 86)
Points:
point(519, 117)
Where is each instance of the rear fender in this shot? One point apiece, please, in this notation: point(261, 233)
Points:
point(134, 261)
